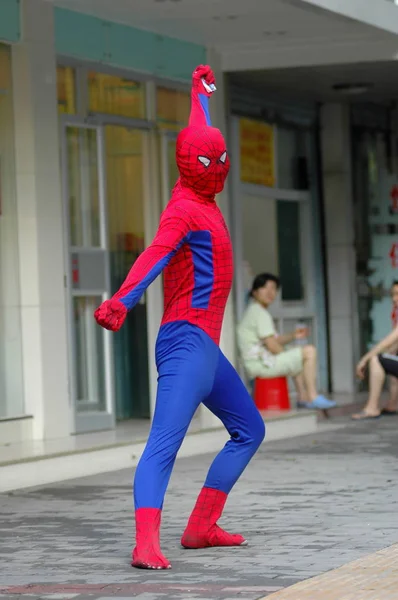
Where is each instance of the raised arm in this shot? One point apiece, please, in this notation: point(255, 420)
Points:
point(173, 229)
point(385, 343)
point(203, 86)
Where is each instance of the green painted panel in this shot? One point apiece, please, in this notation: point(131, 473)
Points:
point(10, 29)
point(89, 38)
point(177, 59)
point(131, 48)
point(79, 35)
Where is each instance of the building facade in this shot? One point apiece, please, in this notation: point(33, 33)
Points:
point(89, 113)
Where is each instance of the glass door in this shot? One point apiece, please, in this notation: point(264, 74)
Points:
point(125, 158)
point(168, 163)
point(88, 277)
point(275, 240)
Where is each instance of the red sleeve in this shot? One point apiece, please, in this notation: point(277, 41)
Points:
point(173, 229)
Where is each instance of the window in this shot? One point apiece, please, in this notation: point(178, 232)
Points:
point(66, 89)
point(172, 109)
point(289, 250)
point(293, 159)
point(113, 95)
point(11, 372)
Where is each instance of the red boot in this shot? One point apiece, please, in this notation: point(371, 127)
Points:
point(147, 553)
point(202, 530)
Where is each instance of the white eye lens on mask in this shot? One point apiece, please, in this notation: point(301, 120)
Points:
point(204, 160)
point(223, 157)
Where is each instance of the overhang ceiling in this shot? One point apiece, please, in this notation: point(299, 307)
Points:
point(258, 34)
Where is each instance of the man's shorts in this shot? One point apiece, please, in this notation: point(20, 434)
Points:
point(389, 362)
point(288, 362)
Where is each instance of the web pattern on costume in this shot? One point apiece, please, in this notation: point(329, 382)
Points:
point(192, 245)
point(179, 276)
point(202, 530)
point(208, 143)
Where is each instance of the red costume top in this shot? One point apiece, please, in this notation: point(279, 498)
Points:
point(192, 244)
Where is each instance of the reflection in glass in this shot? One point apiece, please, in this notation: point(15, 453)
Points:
point(125, 196)
point(172, 109)
point(84, 209)
point(89, 355)
point(66, 90)
point(115, 95)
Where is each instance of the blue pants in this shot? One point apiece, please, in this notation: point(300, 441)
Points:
point(192, 369)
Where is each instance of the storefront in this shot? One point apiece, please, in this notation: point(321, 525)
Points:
point(118, 134)
point(87, 163)
point(375, 173)
point(277, 225)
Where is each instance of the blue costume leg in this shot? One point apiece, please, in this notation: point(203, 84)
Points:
point(232, 404)
point(186, 359)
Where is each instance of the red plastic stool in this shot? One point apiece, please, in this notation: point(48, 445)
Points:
point(271, 394)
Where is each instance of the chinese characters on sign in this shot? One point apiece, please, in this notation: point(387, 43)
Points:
point(257, 157)
point(394, 255)
point(394, 199)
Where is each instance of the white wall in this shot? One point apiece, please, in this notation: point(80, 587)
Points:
point(40, 223)
point(11, 376)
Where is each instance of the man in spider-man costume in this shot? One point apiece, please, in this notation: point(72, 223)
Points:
point(193, 248)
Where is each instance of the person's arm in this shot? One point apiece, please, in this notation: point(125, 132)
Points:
point(173, 229)
point(386, 343)
point(273, 345)
point(266, 331)
point(286, 338)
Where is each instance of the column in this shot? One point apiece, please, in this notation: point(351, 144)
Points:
point(40, 223)
point(339, 224)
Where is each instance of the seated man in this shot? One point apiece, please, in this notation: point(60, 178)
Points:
point(381, 365)
point(262, 350)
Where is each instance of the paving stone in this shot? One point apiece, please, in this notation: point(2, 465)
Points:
point(307, 505)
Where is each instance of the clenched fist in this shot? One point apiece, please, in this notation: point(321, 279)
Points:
point(111, 314)
point(203, 80)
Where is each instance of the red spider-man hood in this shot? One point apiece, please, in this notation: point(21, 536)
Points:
point(201, 154)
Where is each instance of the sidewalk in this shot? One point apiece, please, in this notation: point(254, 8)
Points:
point(307, 505)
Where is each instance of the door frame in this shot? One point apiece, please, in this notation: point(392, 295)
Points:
point(165, 137)
point(281, 310)
point(239, 189)
point(151, 221)
point(92, 420)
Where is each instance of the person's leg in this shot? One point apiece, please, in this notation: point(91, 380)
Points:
point(392, 404)
point(231, 403)
point(377, 376)
point(300, 388)
point(300, 361)
point(186, 362)
point(309, 372)
point(316, 400)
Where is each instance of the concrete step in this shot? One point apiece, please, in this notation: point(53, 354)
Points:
point(32, 471)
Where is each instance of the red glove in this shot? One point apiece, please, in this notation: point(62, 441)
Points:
point(111, 314)
point(206, 73)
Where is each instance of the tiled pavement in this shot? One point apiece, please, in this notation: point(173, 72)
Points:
point(374, 577)
point(307, 506)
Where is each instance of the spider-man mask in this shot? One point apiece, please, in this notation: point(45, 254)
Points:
point(202, 160)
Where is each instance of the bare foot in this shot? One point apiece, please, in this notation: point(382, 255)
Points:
point(365, 415)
